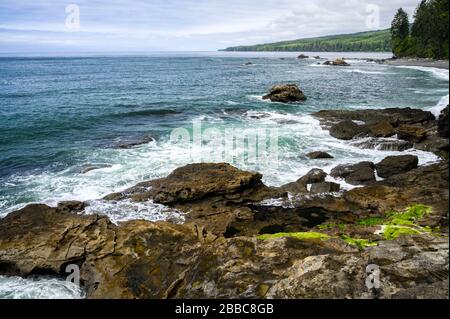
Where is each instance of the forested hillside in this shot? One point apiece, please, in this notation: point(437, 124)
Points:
point(428, 37)
point(363, 41)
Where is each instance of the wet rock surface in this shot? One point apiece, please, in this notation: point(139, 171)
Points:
point(389, 129)
point(357, 174)
point(337, 62)
point(394, 165)
point(319, 155)
point(443, 123)
point(325, 188)
point(242, 239)
point(285, 93)
point(347, 130)
point(412, 133)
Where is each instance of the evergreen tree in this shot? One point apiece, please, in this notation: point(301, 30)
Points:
point(429, 33)
point(400, 26)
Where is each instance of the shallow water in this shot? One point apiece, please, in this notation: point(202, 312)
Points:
point(60, 115)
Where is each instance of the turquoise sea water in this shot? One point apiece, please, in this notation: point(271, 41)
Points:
point(61, 115)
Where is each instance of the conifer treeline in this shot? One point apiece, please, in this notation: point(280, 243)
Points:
point(428, 36)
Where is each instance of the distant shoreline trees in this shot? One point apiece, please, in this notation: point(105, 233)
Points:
point(428, 36)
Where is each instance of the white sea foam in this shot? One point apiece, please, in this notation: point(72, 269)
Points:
point(124, 210)
point(442, 74)
point(38, 288)
point(298, 135)
point(366, 72)
point(437, 109)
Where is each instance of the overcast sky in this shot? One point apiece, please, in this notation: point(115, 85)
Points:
point(181, 25)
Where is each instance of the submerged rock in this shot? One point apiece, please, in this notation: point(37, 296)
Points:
point(92, 167)
point(285, 93)
point(319, 155)
point(135, 142)
point(302, 56)
point(337, 62)
point(393, 165)
point(358, 174)
point(384, 145)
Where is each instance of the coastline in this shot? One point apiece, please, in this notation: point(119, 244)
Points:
point(428, 63)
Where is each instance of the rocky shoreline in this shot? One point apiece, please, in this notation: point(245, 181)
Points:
point(244, 239)
point(428, 63)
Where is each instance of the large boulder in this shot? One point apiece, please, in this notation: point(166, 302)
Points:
point(212, 194)
point(315, 175)
point(381, 129)
point(192, 182)
point(393, 165)
point(347, 130)
point(411, 133)
point(285, 93)
point(443, 123)
point(357, 174)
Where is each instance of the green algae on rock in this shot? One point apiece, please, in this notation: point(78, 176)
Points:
point(299, 235)
point(360, 243)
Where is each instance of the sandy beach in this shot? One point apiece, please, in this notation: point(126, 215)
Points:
point(441, 64)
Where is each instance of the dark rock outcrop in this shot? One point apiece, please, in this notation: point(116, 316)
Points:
point(302, 56)
point(394, 165)
point(384, 144)
point(416, 128)
point(395, 116)
point(347, 130)
point(337, 62)
point(319, 155)
point(357, 174)
point(443, 123)
point(213, 194)
point(285, 93)
point(127, 144)
point(217, 253)
point(324, 188)
point(140, 259)
point(411, 133)
point(315, 175)
point(381, 129)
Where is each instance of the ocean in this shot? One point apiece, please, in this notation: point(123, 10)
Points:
point(68, 123)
